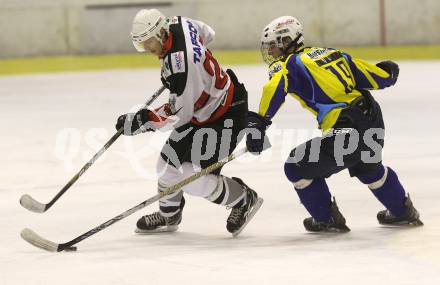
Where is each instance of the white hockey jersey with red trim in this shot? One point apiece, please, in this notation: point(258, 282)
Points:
point(198, 85)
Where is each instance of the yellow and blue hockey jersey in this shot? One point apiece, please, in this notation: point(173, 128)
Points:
point(323, 80)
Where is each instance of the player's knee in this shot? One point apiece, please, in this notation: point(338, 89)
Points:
point(200, 187)
point(291, 172)
point(376, 178)
point(167, 174)
point(294, 173)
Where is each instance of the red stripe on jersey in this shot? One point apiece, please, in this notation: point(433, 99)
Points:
point(220, 111)
point(167, 45)
point(201, 102)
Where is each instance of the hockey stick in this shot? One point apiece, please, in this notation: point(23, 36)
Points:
point(38, 241)
point(33, 205)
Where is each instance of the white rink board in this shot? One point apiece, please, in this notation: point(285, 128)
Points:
point(273, 249)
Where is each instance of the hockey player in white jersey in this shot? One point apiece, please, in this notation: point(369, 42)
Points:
point(207, 108)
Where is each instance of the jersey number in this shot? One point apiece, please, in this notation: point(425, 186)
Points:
point(339, 70)
point(221, 78)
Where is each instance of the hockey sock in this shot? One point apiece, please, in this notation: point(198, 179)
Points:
point(172, 204)
point(315, 197)
point(228, 192)
point(385, 185)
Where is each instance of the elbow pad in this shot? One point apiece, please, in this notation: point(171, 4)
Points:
point(391, 68)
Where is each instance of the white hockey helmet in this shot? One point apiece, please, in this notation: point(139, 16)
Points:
point(146, 25)
point(283, 32)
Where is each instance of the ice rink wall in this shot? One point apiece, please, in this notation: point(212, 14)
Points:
point(39, 28)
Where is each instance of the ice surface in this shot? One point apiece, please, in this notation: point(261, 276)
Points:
point(274, 249)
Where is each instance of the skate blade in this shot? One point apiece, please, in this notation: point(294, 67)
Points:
point(341, 231)
point(333, 231)
point(330, 230)
point(167, 229)
point(252, 213)
point(416, 223)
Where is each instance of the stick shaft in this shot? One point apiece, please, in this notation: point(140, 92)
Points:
point(153, 199)
point(98, 154)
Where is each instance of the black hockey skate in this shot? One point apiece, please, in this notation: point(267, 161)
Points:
point(156, 223)
point(335, 225)
point(241, 216)
point(411, 218)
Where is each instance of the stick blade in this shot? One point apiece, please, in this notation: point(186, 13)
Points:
point(33, 238)
point(31, 204)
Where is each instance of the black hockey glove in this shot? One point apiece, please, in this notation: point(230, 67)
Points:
point(391, 67)
point(135, 123)
point(256, 139)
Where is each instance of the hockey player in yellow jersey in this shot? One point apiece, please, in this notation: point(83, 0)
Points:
point(334, 87)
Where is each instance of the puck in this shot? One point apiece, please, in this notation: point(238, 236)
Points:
point(72, 248)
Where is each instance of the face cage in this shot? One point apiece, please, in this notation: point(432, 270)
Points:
point(139, 45)
point(264, 49)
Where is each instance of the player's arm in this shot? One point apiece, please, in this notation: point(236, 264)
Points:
point(145, 120)
point(206, 32)
point(181, 105)
point(139, 122)
point(273, 97)
point(370, 76)
point(159, 117)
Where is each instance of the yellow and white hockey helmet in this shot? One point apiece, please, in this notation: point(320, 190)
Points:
point(283, 32)
point(147, 24)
